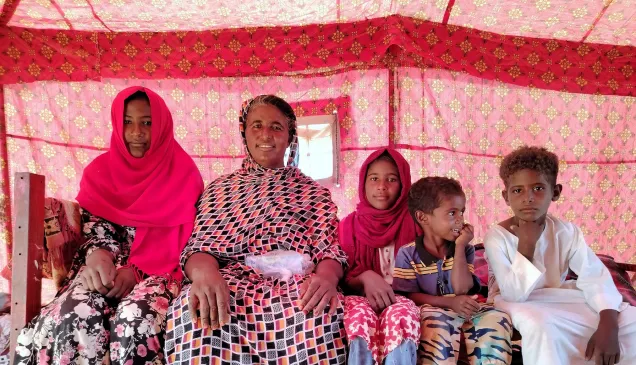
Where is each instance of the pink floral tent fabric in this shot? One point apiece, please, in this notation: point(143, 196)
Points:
point(453, 85)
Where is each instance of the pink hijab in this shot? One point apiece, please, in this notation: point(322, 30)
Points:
point(156, 194)
point(367, 229)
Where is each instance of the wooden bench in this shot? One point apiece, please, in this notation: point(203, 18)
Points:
point(28, 246)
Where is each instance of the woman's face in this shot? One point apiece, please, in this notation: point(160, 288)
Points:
point(382, 186)
point(267, 136)
point(137, 127)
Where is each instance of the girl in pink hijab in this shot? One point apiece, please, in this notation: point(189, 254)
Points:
point(381, 327)
point(138, 206)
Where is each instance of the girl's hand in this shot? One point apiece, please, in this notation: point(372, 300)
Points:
point(125, 281)
point(99, 273)
point(378, 292)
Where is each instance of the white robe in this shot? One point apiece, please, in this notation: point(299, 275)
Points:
point(555, 317)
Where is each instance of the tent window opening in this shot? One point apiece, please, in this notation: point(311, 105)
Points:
point(319, 147)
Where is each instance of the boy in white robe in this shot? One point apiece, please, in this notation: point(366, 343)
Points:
point(581, 321)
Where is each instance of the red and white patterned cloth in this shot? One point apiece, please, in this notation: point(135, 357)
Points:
point(397, 323)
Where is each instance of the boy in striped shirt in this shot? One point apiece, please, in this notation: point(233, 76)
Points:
point(436, 272)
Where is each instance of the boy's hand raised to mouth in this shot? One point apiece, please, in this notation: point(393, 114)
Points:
point(465, 235)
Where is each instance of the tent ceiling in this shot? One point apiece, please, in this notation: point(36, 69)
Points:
point(558, 19)
point(609, 21)
point(163, 15)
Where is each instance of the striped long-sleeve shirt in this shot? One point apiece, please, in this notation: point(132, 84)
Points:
point(429, 274)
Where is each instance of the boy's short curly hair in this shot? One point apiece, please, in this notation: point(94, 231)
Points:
point(534, 158)
point(427, 193)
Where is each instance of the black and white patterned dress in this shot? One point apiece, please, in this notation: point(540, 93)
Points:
point(257, 210)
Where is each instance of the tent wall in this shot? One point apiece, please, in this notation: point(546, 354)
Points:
point(446, 123)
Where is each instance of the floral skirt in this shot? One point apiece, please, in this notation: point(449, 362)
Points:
point(83, 327)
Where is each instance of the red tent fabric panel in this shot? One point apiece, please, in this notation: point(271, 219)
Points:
point(38, 55)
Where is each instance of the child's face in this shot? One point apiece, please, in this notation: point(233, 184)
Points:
point(447, 220)
point(137, 124)
point(529, 194)
point(382, 186)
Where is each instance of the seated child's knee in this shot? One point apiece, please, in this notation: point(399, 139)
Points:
point(497, 316)
point(533, 321)
point(392, 311)
point(83, 308)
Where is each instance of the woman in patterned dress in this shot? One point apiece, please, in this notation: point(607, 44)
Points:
point(381, 327)
point(230, 314)
point(138, 207)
